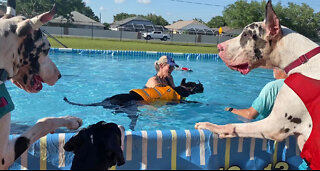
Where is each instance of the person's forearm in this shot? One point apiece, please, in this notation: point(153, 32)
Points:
point(249, 113)
point(243, 112)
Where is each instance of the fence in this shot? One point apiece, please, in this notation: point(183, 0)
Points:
point(95, 33)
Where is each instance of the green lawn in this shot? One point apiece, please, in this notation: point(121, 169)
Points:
point(109, 44)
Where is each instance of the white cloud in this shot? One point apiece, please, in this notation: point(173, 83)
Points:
point(87, 1)
point(144, 1)
point(119, 1)
point(101, 8)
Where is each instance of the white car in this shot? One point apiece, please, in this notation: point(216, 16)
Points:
point(156, 35)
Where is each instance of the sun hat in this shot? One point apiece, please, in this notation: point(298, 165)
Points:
point(167, 59)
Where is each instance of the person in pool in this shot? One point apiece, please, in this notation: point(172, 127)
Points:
point(164, 67)
point(263, 104)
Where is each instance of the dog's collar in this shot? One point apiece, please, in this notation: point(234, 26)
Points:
point(302, 59)
point(3, 76)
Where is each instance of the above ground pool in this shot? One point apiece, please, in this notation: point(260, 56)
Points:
point(89, 78)
point(164, 136)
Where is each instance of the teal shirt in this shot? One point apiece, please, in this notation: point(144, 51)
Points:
point(263, 104)
point(6, 104)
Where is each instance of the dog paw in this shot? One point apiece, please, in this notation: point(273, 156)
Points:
point(227, 131)
point(224, 131)
point(73, 122)
point(205, 125)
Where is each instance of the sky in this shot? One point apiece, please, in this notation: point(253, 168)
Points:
point(173, 10)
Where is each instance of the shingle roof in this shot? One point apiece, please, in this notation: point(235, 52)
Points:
point(181, 24)
point(78, 19)
point(122, 22)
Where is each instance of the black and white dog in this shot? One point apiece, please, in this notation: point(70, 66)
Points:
point(24, 60)
point(129, 102)
point(97, 147)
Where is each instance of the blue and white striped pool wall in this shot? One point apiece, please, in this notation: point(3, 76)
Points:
point(170, 149)
point(173, 150)
point(146, 54)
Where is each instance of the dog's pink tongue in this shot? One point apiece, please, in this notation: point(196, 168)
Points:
point(37, 83)
point(244, 71)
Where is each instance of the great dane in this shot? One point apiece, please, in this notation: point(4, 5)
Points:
point(97, 147)
point(24, 60)
point(268, 44)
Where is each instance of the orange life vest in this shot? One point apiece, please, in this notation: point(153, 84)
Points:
point(151, 95)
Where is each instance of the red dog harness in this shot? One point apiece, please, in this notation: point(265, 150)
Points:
point(308, 90)
point(302, 59)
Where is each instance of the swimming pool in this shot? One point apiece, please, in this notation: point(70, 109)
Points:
point(92, 78)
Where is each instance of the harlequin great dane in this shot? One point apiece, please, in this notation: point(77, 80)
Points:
point(296, 110)
point(24, 59)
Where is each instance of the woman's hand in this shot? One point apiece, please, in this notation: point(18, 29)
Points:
point(228, 109)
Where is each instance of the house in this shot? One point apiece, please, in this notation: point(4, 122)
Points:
point(190, 27)
point(3, 8)
point(78, 21)
point(135, 24)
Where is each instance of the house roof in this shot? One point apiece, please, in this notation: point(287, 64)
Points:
point(182, 25)
point(78, 19)
point(127, 20)
point(2, 9)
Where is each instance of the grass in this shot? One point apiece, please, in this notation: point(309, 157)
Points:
point(134, 45)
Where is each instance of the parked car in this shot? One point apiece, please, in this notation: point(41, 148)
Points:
point(156, 35)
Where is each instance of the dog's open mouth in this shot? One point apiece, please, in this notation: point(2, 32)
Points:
point(242, 68)
point(37, 83)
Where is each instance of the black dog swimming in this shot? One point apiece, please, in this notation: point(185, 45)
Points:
point(97, 147)
point(128, 103)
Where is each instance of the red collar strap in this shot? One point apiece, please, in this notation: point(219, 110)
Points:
point(302, 59)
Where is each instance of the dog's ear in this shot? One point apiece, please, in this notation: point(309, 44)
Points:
point(75, 141)
point(183, 81)
point(41, 19)
point(27, 26)
point(24, 28)
point(114, 143)
point(272, 22)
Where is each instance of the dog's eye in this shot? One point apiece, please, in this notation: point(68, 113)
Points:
point(46, 51)
point(245, 34)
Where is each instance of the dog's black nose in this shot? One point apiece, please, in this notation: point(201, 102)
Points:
point(59, 76)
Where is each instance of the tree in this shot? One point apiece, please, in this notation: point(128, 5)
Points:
point(157, 20)
point(199, 20)
point(300, 18)
point(31, 8)
point(216, 22)
point(122, 16)
point(177, 21)
point(106, 25)
point(241, 13)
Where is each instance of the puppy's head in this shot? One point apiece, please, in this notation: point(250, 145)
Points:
point(97, 147)
point(192, 87)
point(30, 65)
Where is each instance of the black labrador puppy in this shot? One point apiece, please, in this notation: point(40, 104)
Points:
point(129, 102)
point(97, 147)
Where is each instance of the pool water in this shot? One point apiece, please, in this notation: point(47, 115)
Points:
point(92, 78)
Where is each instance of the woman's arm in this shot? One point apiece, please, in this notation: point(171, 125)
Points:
point(249, 113)
point(152, 82)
